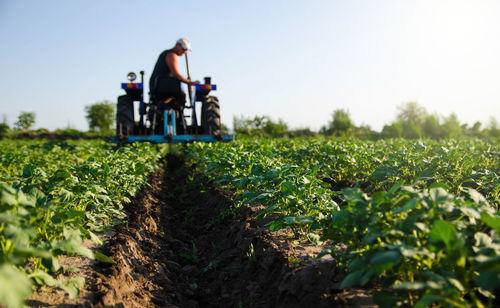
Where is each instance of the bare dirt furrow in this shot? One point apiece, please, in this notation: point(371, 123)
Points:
point(181, 247)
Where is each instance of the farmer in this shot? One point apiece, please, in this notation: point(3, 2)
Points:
point(165, 81)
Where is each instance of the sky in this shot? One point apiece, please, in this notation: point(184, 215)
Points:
point(292, 60)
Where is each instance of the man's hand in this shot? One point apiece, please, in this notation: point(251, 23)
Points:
point(192, 83)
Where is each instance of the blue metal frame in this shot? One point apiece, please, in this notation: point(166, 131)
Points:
point(170, 134)
point(137, 86)
point(169, 127)
point(172, 139)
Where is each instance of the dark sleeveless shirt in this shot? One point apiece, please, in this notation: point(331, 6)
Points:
point(161, 69)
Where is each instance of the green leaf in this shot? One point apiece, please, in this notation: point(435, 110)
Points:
point(457, 284)
point(385, 257)
point(489, 264)
point(353, 194)
point(410, 252)
point(29, 171)
point(60, 175)
point(411, 204)
point(443, 231)
point(385, 299)
point(422, 227)
point(474, 195)
point(483, 240)
point(395, 187)
point(352, 279)
point(73, 243)
point(341, 218)
point(105, 168)
point(31, 252)
point(384, 172)
point(139, 169)
point(414, 285)
point(288, 188)
point(73, 286)
point(469, 211)
point(51, 263)
point(489, 280)
point(493, 222)
point(277, 225)
point(438, 194)
point(15, 286)
point(357, 264)
point(103, 258)
point(65, 195)
point(19, 235)
point(92, 236)
point(43, 278)
point(314, 238)
point(367, 276)
point(427, 300)
point(301, 220)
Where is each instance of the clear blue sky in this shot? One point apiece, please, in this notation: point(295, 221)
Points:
point(293, 60)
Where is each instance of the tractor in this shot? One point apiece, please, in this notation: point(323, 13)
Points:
point(162, 120)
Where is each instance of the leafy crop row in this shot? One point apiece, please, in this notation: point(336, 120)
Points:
point(53, 195)
point(420, 219)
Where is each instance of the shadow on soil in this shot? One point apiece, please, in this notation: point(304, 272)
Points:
point(182, 248)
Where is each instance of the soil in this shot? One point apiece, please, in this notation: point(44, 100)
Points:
point(182, 247)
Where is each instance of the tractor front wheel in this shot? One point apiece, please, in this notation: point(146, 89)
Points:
point(210, 117)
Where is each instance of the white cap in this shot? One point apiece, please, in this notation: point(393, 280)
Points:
point(184, 43)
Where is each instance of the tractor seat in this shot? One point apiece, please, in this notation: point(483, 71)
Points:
point(170, 103)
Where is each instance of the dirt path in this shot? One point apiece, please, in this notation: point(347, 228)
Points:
point(178, 249)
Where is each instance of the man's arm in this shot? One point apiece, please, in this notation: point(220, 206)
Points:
point(173, 65)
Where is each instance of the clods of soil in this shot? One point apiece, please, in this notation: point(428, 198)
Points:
point(182, 246)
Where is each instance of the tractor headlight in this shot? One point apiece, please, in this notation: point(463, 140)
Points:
point(131, 76)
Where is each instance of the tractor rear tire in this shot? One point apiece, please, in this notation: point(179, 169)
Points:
point(210, 117)
point(125, 116)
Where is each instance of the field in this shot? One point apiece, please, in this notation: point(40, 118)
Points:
point(251, 223)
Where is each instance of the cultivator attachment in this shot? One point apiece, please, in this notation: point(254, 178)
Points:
point(164, 121)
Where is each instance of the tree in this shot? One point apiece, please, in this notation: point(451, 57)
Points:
point(451, 126)
point(4, 127)
point(411, 117)
point(475, 130)
point(493, 129)
point(340, 124)
point(100, 115)
point(275, 128)
point(224, 129)
point(431, 127)
point(25, 120)
point(259, 125)
point(411, 130)
point(392, 131)
point(245, 126)
point(341, 121)
point(411, 112)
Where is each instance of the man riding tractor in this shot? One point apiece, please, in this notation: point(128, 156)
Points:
point(162, 119)
point(165, 81)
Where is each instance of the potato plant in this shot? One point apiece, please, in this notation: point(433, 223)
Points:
point(52, 196)
point(420, 219)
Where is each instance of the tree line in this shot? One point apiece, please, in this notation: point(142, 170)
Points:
point(100, 117)
point(412, 121)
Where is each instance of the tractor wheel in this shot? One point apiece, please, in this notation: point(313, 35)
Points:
point(210, 117)
point(125, 116)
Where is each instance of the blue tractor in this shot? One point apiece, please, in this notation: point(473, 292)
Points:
point(165, 121)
